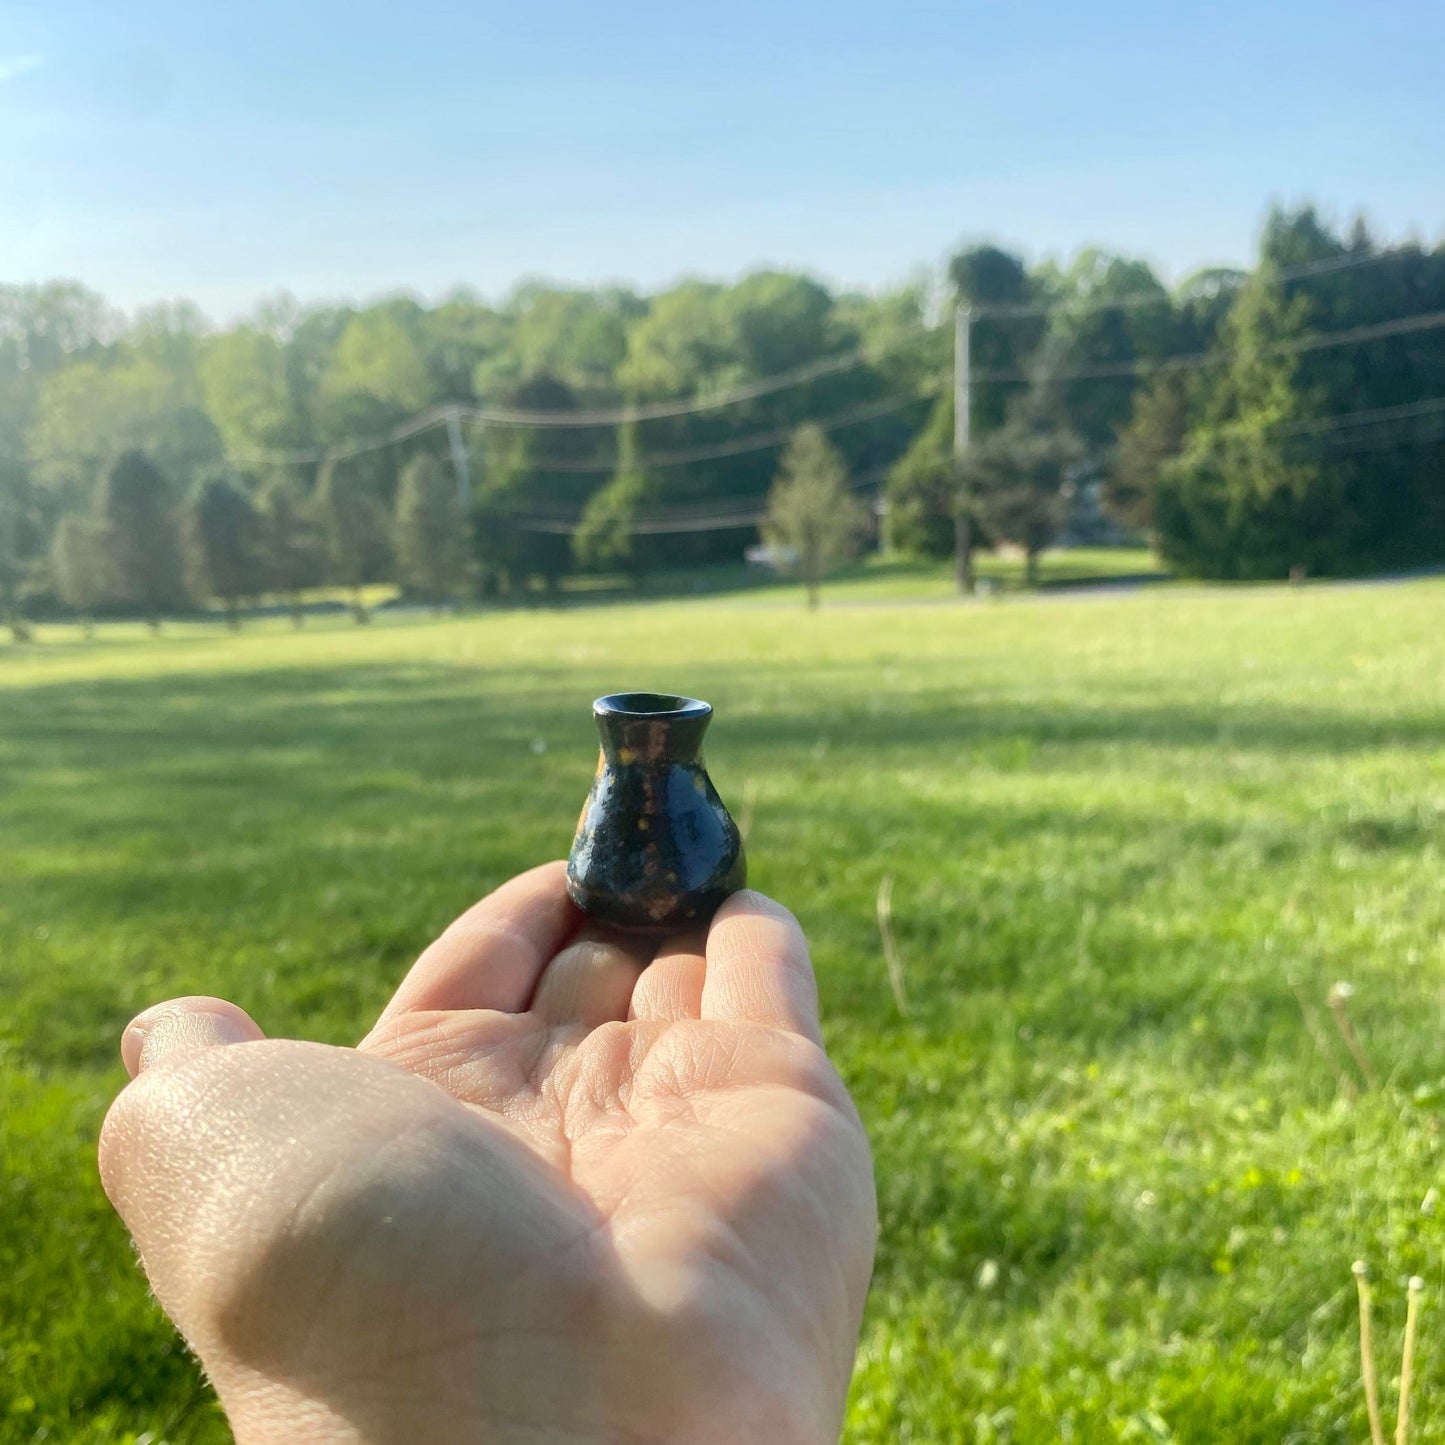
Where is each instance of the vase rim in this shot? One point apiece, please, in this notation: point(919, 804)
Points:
point(666, 706)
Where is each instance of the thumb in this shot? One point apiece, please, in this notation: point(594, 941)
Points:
point(183, 1023)
point(131, 1149)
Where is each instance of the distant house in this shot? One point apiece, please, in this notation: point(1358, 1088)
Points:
point(765, 554)
point(1087, 524)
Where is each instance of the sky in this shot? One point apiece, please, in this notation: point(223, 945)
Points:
point(227, 152)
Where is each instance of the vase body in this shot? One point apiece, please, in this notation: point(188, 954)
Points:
point(655, 850)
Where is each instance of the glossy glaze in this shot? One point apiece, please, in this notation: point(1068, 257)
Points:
point(655, 848)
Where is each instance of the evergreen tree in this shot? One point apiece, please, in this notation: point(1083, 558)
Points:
point(433, 546)
point(810, 508)
point(1154, 436)
point(1275, 475)
point(1240, 501)
point(1016, 478)
point(140, 539)
point(222, 541)
point(291, 551)
point(923, 489)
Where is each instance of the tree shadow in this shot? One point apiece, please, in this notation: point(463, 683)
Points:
point(363, 803)
point(417, 703)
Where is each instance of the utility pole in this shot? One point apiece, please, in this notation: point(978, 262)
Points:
point(962, 521)
point(460, 469)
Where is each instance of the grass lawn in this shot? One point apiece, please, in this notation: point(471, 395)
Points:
point(1121, 1187)
point(882, 577)
point(873, 578)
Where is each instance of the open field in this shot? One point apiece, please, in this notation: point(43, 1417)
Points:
point(1121, 1188)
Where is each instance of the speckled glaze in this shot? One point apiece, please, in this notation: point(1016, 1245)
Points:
point(656, 850)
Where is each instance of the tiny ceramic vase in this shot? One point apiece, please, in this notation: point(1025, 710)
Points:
point(655, 848)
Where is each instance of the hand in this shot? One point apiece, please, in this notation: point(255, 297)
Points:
point(559, 1195)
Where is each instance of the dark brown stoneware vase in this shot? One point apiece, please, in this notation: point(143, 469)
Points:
point(655, 850)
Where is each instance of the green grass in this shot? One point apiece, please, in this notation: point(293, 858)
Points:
point(887, 577)
point(872, 578)
point(1120, 1188)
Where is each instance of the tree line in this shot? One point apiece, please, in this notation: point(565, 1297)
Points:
point(135, 551)
point(1251, 425)
point(153, 459)
point(244, 440)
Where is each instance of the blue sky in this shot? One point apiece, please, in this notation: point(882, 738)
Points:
point(225, 152)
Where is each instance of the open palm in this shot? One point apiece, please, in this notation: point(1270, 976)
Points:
point(570, 1188)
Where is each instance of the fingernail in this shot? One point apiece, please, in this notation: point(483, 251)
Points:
point(132, 1043)
point(182, 1024)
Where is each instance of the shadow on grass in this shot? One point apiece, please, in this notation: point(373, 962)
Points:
point(425, 707)
point(186, 812)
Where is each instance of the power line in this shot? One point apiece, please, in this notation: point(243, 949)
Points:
point(437, 416)
point(753, 442)
point(1425, 321)
point(440, 415)
point(305, 456)
point(1373, 416)
point(1384, 441)
point(663, 521)
point(604, 417)
point(1323, 267)
point(718, 518)
point(699, 519)
point(1412, 424)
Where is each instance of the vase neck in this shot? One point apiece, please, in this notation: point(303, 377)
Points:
point(651, 728)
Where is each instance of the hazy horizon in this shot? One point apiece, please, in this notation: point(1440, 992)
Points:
point(930, 269)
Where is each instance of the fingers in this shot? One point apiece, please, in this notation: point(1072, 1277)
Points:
point(183, 1023)
point(671, 985)
point(758, 967)
point(590, 982)
point(493, 955)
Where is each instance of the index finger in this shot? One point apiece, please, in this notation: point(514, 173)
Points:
point(493, 955)
point(758, 968)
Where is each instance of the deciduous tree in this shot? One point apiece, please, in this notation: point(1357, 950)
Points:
point(433, 545)
point(353, 527)
point(810, 508)
point(77, 564)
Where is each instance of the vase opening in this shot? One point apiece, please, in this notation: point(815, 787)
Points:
point(663, 706)
point(651, 727)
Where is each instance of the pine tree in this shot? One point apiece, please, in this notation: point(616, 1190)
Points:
point(433, 543)
point(290, 547)
point(221, 537)
point(923, 489)
point(1016, 478)
point(810, 508)
point(1154, 436)
point(1241, 501)
point(139, 536)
